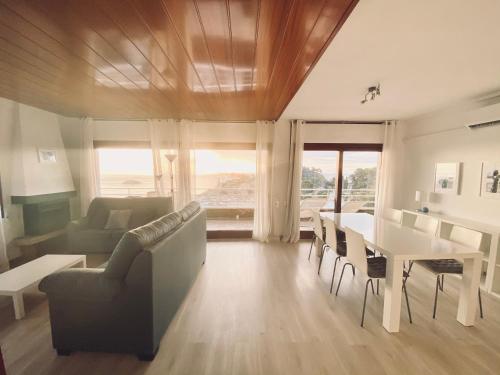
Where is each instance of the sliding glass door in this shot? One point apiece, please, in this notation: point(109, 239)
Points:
point(359, 182)
point(339, 177)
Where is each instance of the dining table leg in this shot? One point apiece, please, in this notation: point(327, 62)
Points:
point(468, 301)
point(392, 294)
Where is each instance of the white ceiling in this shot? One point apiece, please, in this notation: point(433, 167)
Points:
point(426, 54)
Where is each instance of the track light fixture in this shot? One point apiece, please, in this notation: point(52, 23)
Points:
point(372, 92)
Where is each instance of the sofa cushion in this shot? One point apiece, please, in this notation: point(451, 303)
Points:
point(136, 240)
point(144, 209)
point(118, 219)
point(151, 233)
point(190, 210)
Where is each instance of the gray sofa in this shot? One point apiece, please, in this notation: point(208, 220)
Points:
point(88, 234)
point(127, 306)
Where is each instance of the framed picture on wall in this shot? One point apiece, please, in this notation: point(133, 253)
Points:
point(490, 180)
point(47, 156)
point(446, 178)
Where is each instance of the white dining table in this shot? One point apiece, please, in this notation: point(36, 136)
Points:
point(398, 244)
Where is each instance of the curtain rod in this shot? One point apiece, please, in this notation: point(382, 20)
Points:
point(342, 122)
point(145, 120)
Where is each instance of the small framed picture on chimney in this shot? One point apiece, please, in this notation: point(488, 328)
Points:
point(47, 156)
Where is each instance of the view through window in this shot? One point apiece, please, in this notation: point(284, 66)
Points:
point(125, 172)
point(225, 185)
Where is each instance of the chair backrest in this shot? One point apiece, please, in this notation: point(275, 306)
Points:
point(393, 215)
point(466, 237)
point(318, 227)
point(356, 250)
point(331, 234)
point(427, 224)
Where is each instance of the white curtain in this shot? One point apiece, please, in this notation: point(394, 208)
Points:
point(387, 170)
point(88, 173)
point(262, 212)
point(4, 260)
point(155, 139)
point(185, 186)
point(291, 229)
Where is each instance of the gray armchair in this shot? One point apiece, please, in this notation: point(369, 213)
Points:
point(88, 235)
point(128, 306)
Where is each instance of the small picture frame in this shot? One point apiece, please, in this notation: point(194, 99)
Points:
point(47, 156)
point(490, 180)
point(446, 178)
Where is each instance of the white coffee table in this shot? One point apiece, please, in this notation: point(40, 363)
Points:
point(16, 281)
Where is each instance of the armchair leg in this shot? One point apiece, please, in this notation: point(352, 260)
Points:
point(333, 275)
point(321, 258)
point(146, 357)
point(407, 301)
point(63, 352)
point(369, 281)
point(436, 297)
point(310, 249)
point(480, 304)
point(340, 280)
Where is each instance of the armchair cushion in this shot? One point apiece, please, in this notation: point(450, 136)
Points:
point(80, 284)
point(136, 240)
point(190, 210)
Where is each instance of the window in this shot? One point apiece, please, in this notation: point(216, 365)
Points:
point(225, 186)
point(125, 172)
point(359, 183)
point(324, 165)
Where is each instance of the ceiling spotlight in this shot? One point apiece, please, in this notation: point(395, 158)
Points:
point(373, 91)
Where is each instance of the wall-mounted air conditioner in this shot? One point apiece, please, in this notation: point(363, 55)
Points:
point(483, 117)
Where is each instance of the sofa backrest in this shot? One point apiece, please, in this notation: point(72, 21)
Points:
point(136, 240)
point(144, 210)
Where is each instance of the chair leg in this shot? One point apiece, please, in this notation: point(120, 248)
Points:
point(340, 280)
point(436, 297)
point(333, 275)
point(407, 301)
point(364, 301)
point(480, 304)
point(441, 285)
point(373, 290)
point(378, 282)
point(310, 249)
point(353, 269)
point(321, 258)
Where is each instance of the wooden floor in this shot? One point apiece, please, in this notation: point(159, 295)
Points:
point(262, 309)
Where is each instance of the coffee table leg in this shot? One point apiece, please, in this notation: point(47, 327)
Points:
point(18, 305)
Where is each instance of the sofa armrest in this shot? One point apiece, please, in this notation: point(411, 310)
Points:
point(80, 285)
point(76, 225)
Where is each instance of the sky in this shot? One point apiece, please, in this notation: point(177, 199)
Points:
point(140, 162)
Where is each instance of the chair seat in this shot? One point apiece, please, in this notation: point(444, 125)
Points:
point(377, 267)
point(342, 250)
point(443, 265)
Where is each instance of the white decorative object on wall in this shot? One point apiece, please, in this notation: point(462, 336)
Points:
point(490, 180)
point(47, 156)
point(446, 178)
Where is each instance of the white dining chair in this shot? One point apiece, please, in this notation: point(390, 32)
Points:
point(463, 236)
point(334, 243)
point(393, 215)
point(318, 233)
point(426, 224)
point(373, 267)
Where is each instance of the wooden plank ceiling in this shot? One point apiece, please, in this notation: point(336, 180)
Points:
point(195, 59)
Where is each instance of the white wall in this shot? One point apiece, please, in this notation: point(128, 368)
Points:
point(441, 137)
point(35, 130)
